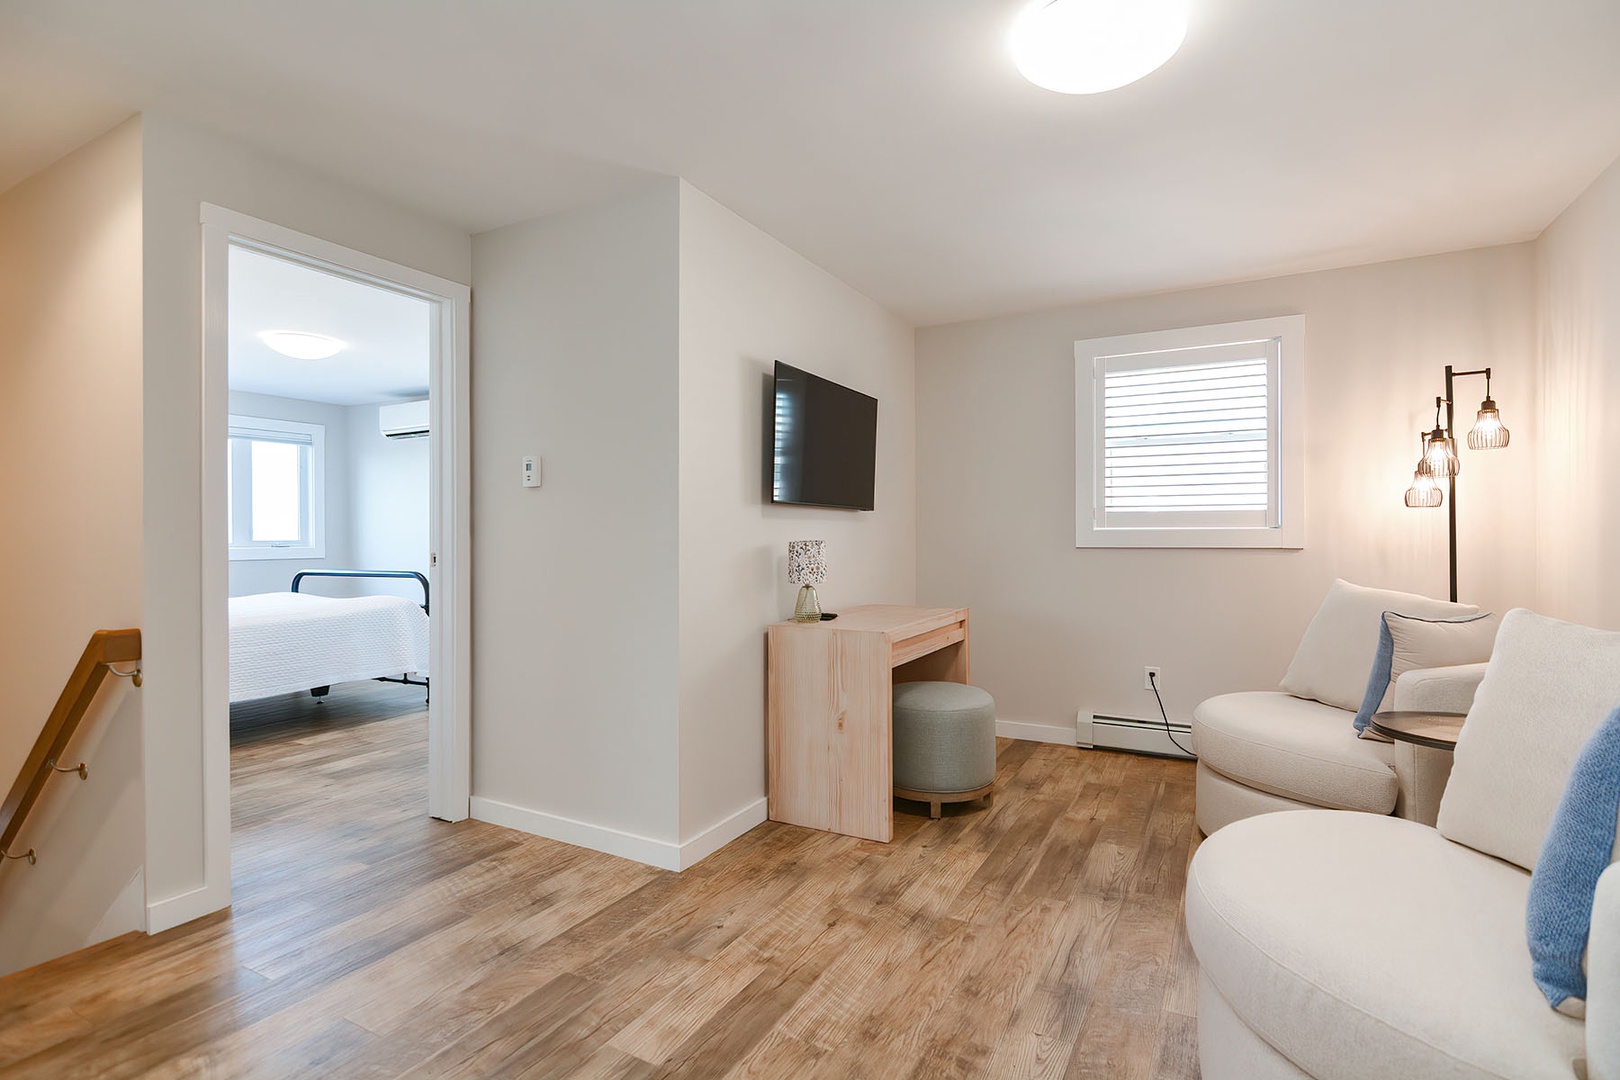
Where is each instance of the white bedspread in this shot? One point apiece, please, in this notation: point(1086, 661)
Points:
point(285, 642)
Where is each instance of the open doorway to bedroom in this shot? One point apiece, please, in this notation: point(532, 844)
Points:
point(328, 491)
point(334, 589)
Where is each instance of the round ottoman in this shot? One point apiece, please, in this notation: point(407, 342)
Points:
point(944, 743)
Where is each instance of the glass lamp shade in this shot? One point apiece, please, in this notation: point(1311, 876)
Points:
point(1488, 432)
point(1440, 459)
point(1424, 492)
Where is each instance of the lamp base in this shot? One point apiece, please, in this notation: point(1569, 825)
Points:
point(808, 607)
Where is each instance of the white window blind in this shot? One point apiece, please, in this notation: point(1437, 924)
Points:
point(1188, 437)
point(1187, 447)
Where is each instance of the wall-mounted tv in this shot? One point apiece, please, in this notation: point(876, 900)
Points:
point(824, 442)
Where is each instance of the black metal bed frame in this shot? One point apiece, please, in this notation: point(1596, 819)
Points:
point(322, 691)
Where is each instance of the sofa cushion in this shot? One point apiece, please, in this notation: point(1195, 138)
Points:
point(1407, 644)
point(1548, 686)
point(1336, 654)
point(1295, 748)
point(1363, 946)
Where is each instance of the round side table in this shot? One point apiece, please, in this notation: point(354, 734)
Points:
point(1433, 729)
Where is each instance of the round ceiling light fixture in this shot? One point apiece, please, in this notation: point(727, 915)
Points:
point(1090, 46)
point(302, 345)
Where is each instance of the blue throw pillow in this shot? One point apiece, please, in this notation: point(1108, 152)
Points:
point(1378, 681)
point(1579, 847)
point(1421, 643)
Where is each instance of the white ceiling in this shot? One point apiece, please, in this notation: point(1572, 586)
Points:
point(386, 334)
point(890, 141)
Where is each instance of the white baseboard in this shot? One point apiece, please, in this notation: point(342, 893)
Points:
point(643, 849)
point(163, 915)
point(1052, 733)
point(721, 833)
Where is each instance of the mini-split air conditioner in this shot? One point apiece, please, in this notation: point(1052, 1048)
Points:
point(407, 420)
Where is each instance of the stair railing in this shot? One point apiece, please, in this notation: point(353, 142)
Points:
point(106, 648)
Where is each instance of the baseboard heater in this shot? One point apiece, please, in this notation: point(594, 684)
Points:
point(1135, 736)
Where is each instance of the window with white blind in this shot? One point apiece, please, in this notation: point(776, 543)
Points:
point(1191, 437)
point(274, 489)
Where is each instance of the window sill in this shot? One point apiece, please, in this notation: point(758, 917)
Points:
point(249, 554)
point(1214, 539)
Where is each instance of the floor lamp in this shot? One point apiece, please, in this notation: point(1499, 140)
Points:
point(1439, 459)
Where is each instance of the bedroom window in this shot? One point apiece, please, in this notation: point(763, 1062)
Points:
point(274, 489)
point(1191, 438)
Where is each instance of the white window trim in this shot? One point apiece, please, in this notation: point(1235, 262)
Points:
point(247, 426)
point(1288, 532)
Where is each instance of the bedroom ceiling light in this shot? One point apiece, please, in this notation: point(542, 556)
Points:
point(1090, 46)
point(301, 344)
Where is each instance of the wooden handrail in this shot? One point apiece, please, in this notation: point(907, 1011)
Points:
point(106, 647)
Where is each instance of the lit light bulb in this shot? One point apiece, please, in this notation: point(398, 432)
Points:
point(1440, 459)
point(1424, 492)
point(1488, 432)
point(1090, 46)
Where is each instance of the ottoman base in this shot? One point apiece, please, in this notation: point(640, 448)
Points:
point(935, 798)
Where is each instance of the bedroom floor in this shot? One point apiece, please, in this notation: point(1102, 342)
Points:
point(1041, 937)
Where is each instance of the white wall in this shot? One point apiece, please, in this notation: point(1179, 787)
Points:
point(70, 432)
point(1578, 475)
point(388, 491)
point(181, 169)
point(1057, 630)
point(249, 576)
point(575, 620)
point(747, 300)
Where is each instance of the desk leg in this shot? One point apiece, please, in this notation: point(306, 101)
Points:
point(830, 749)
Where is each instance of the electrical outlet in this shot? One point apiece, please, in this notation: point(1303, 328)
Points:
point(1150, 675)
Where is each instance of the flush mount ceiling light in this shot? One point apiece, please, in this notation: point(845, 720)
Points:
point(1089, 46)
point(301, 344)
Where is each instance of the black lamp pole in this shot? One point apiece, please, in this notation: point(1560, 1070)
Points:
point(1451, 510)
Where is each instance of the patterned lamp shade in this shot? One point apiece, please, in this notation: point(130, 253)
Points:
point(807, 562)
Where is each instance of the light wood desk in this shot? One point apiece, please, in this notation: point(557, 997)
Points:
point(829, 719)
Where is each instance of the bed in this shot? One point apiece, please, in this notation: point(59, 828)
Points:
point(287, 642)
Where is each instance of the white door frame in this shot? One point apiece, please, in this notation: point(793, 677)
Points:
point(450, 714)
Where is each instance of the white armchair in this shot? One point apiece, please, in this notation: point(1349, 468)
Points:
point(1355, 947)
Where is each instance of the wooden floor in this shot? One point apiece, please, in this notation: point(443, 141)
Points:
point(1042, 937)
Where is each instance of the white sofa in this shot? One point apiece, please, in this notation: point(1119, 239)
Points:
point(1286, 750)
point(1348, 946)
point(1262, 751)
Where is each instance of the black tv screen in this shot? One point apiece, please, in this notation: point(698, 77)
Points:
point(824, 445)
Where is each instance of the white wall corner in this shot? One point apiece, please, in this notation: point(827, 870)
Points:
point(721, 833)
point(1033, 732)
point(127, 911)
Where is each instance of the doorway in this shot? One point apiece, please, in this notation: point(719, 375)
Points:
point(281, 453)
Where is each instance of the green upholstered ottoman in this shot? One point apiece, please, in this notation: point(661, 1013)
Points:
point(944, 743)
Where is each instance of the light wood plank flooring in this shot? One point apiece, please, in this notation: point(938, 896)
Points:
point(1040, 938)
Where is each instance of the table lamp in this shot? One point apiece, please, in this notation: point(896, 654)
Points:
point(807, 568)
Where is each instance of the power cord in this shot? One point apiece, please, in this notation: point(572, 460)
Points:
point(1153, 679)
